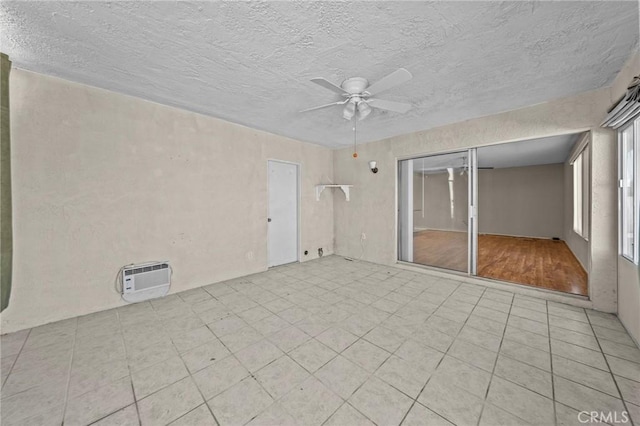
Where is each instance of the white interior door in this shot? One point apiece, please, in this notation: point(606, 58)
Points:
point(283, 213)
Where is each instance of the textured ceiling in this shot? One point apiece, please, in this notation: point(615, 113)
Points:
point(250, 62)
point(531, 152)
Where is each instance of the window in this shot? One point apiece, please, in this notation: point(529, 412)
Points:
point(580, 166)
point(629, 144)
point(577, 195)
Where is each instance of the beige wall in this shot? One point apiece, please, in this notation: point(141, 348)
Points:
point(629, 297)
point(521, 201)
point(102, 180)
point(372, 208)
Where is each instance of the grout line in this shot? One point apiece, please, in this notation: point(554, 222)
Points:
point(495, 363)
point(126, 356)
point(624, 403)
point(369, 375)
point(553, 385)
point(414, 400)
point(231, 354)
point(190, 374)
point(312, 374)
point(355, 283)
point(73, 351)
point(448, 348)
point(24, 342)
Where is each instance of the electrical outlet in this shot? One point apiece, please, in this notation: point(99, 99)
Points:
point(363, 236)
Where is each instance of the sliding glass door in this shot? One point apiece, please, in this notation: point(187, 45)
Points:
point(436, 211)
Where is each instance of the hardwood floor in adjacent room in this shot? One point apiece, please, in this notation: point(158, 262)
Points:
point(532, 261)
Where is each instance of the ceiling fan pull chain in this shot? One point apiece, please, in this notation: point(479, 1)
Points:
point(355, 126)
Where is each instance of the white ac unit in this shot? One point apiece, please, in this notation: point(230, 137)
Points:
point(145, 281)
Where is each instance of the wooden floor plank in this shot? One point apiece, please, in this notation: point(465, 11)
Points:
point(532, 261)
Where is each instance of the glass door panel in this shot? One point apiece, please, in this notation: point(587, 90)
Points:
point(433, 213)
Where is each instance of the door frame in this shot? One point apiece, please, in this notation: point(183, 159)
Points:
point(298, 207)
point(472, 198)
point(474, 238)
point(472, 216)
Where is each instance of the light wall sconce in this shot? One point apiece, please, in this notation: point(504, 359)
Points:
point(373, 166)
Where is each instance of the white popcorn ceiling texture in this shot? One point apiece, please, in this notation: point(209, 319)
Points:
point(251, 62)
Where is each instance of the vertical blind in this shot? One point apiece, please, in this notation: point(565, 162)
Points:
point(626, 109)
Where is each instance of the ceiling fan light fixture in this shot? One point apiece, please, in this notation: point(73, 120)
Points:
point(349, 111)
point(363, 110)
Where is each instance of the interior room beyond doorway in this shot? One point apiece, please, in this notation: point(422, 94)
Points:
point(531, 227)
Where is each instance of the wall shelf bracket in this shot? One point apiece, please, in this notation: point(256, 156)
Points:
point(321, 187)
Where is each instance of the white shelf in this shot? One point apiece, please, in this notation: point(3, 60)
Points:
point(321, 187)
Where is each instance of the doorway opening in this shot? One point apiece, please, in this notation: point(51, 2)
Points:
point(516, 212)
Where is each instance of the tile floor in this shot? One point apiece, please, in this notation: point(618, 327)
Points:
point(330, 342)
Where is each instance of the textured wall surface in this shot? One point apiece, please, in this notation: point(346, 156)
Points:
point(102, 180)
point(629, 297)
point(603, 244)
point(373, 199)
point(250, 62)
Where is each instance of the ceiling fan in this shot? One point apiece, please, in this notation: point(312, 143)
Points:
point(359, 94)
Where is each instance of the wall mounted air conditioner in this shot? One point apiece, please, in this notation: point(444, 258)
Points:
point(145, 281)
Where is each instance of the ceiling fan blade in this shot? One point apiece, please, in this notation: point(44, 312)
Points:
point(328, 85)
point(400, 107)
point(325, 106)
point(397, 77)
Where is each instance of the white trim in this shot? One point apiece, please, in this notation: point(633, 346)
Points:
point(472, 208)
point(635, 130)
point(579, 147)
point(454, 150)
point(466, 151)
point(582, 150)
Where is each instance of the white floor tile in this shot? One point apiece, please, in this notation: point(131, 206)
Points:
point(290, 345)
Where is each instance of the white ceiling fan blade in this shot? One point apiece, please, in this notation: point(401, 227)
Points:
point(397, 77)
point(325, 106)
point(400, 107)
point(328, 85)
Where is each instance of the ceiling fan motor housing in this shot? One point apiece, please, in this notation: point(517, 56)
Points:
point(355, 85)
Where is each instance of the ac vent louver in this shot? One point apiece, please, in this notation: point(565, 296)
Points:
point(146, 281)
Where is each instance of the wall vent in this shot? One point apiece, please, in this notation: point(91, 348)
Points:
point(145, 281)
